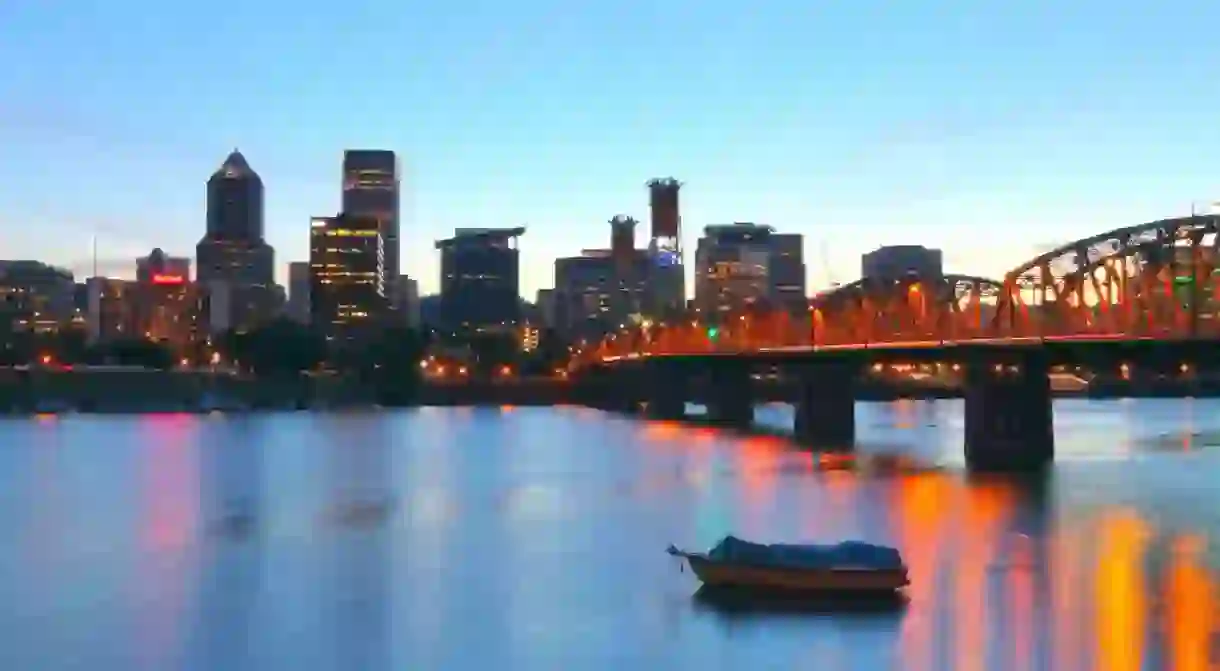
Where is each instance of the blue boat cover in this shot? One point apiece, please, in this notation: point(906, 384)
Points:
point(853, 554)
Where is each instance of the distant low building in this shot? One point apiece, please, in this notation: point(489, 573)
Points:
point(111, 310)
point(35, 297)
point(407, 298)
point(900, 261)
point(298, 292)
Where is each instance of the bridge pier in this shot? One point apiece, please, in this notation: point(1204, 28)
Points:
point(825, 407)
point(1009, 420)
point(612, 389)
point(664, 385)
point(729, 397)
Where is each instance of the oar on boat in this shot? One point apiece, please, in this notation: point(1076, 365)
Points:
point(681, 554)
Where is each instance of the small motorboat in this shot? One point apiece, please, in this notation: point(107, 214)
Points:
point(848, 568)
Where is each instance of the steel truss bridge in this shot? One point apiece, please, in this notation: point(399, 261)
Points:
point(1155, 281)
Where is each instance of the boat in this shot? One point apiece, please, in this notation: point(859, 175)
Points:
point(847, 568)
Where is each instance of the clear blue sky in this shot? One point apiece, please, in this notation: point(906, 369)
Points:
point(991, 129)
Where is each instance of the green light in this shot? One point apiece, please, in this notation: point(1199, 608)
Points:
point(712, 332)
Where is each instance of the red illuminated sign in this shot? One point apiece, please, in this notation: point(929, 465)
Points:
point(168, 279)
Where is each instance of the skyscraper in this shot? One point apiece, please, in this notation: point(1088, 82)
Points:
point(347, 275)
point(371, 189)
point(235, 265)
point(732, 268)
point(668, 277)
point(233, 249)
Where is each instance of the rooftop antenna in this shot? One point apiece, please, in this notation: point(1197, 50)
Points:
point(95, 255)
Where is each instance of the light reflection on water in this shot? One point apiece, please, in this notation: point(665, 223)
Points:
point(532, 538)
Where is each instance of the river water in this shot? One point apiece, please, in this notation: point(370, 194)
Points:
point(533, 538)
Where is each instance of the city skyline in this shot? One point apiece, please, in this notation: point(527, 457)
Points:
point(799, 121)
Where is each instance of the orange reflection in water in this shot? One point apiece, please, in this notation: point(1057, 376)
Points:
point(756, 459)
point(984, 511)
point(919, 520)
point(904, 413)
point(1067, 621)
point(662, 430)
point(1189, 613)
point(1020, 584)
point(1120, 605)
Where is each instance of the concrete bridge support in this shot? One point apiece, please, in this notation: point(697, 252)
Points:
point(1009, 421)
point(729, 396)
point(665, 388)
point(612, 388)
point(825, 408)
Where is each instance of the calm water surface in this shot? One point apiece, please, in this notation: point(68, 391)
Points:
point(534, 538)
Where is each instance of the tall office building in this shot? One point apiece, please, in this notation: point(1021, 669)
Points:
point(233, 249)
point(371, 189)
point(740, 264)
point(597, 292)
point(233, 260)
point(480, 276)
point(732, 267)
point(665, 247)
point(347, 293)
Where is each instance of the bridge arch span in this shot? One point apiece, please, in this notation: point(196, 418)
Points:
point(915, 308)
point(947, 287)
point(1151, 278)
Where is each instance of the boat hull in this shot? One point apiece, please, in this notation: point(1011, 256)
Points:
point(784, 579)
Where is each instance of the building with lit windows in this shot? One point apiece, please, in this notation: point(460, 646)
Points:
point(35, 297)
point(743, 264)
point(597, 293)
point(480, 275)
point(732, 268)
point(110, 312)
point(165, 303)
point(371, 186)
point(347, 292)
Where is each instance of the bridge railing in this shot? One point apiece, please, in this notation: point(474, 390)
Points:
point(756, 333)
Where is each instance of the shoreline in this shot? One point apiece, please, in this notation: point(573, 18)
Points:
point(193, 392)
point(59, 406)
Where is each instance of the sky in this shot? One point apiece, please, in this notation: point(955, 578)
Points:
point(994, 130)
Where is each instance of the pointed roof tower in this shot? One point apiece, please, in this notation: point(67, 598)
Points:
point(235, 166)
